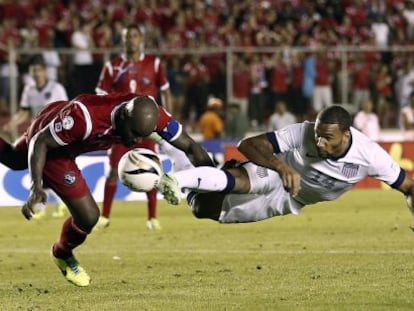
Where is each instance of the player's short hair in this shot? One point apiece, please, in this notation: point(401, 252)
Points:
point(37, 60)
point(336, 115)
point(138, 27)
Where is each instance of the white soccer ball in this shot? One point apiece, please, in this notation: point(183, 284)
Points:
point(140, 169)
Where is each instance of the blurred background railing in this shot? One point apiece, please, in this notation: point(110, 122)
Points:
point(248, 76)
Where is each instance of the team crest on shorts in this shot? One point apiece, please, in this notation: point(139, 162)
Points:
point(69, 178)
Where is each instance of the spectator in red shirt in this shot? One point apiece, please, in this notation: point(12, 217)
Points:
point(241, 83)
point(298, 102)
point(383, 84)
point(197, 79)
point(256, 97)
point(322, 94)
point(360, 81)
point(278, 81)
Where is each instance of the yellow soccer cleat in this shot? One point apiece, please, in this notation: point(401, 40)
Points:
point(153, 224)
point(102, 223)
point(39, 215)
point(71, 270)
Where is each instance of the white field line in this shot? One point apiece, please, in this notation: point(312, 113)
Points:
point(218, 251)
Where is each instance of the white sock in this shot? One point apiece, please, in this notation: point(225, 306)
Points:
point(178, 157)
point(203, 178)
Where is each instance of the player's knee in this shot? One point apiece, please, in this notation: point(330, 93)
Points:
point(205, 208)
point(91, 220)
point(87, 220)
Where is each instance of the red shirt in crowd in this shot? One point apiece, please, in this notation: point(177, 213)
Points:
point(279, 78)
point(241, 82)
point(361, 76)
point(322, 73)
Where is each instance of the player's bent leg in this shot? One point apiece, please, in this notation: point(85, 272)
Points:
point(109, 194)
point(14, 156)
point(152, 221)
point(206, 205)
point(75, 230)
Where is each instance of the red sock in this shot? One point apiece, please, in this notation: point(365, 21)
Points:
point(152, 203)
point(109, 194)
point(70, 237)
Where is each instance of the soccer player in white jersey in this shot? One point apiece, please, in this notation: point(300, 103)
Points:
point(298, 165)
point(35, 96)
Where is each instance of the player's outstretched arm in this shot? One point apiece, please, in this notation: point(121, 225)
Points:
point(38, 148)
point(194, 151)
point(259, 150)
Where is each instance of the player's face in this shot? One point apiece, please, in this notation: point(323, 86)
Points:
point(330, 140)
point(39, 74)
point(129, 135)
point(133, 40)
point(126, 130)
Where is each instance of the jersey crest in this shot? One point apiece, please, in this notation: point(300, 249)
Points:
point(350, 170)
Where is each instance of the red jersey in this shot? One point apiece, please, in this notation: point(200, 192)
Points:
point(143, 77)
point(87, 123)
point(322, 73)
point(279, 78)
point(362, 76)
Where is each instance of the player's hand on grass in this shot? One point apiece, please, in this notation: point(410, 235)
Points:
point(290, 178)
point(37, 196)
point(409, 200)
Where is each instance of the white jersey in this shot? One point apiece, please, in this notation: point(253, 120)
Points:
point(321, 179)
point(35, 99)
point(326, 179)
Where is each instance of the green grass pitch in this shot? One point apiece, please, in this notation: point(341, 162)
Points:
point(356, 253)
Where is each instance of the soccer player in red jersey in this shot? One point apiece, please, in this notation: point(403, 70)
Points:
point(65, 129)
point(134, 72)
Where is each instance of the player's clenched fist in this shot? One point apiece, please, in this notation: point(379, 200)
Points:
point(290, 178)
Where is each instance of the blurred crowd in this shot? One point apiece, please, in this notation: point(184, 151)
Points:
point(305, 81)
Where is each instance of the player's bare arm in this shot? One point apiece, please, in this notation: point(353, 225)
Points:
point(195, 152)
point(39, 146)
point(167, 100)
point(259, 150)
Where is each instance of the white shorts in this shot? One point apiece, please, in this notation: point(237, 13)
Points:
point(267, 198)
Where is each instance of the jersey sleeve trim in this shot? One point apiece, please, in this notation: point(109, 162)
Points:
point(171, 131)
point(156, 64)
point(400, 179)
point(165, 87)
point(271, 136)
point(88, 119)
point(100, 91)
point(54, 135)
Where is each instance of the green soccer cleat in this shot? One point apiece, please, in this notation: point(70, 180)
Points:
point(153, 224)
point(102, 223)
point(168, 186)
point(71, 270)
